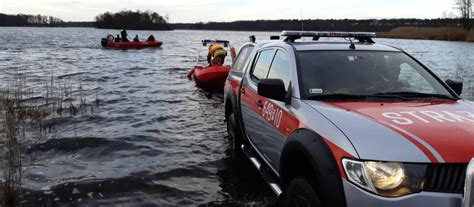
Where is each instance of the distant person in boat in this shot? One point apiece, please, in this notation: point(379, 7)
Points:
point(151, 38)
point(213, 48)
point(124, 36)
point(136, 39)
point(118, 39)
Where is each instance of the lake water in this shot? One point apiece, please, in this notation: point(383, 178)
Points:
point(133, 130)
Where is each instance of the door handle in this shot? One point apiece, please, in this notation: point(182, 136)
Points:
point(259, 103)
point(242, 90)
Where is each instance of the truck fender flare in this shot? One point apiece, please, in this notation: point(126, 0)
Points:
point(232, 99)
point(230, 96)
point(326, 172)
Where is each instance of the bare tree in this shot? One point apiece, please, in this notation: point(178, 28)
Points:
point(465, 9)
point(448, 15)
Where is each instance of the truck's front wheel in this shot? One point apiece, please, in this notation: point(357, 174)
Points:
point(234, 135)
point(301, 194)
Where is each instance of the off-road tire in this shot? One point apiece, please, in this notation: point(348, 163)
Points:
point(235, 137)
point(300, 193)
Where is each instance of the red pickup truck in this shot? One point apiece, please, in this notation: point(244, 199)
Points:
point(350, 123)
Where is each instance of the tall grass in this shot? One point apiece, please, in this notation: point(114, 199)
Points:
point(470, 36)
point(23, 122)
point(12, 161)
point(430, 33)
point(16, 116)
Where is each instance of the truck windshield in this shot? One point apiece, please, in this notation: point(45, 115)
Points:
point(362, 74)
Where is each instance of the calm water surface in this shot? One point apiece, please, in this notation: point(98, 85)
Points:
point(145, 135)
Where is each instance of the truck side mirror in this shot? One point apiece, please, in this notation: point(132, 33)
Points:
point(456, 85)
point(272, 89)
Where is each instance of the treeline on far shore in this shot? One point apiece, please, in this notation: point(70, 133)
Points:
point(372, 25)
point(132, 20)
point(125, 19)
point(450, 29)
point(30, 20)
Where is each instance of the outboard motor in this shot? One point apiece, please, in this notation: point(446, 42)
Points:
point(104, 42)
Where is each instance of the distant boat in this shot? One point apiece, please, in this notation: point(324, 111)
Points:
point(111, 44)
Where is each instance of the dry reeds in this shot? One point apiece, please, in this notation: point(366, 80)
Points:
point(430, 33)
point(11, 155)
point(470, 36)
point(22, 122)
point(15, 116)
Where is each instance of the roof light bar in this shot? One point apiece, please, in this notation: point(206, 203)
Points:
point(207, 41)
point(328, 34)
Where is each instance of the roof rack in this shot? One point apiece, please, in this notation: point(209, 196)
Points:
point(207, 41)
point(291, 36)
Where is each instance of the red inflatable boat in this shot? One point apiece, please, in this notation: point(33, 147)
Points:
point(210, 77)
point(133, 45)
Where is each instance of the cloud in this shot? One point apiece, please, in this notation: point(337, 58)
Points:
point(230, 10)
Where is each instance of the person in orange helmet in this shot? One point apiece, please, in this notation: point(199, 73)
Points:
point(219, 57)
point(213, 48)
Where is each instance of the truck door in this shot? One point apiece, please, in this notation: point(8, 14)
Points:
point(238, 68)
point(263, 118)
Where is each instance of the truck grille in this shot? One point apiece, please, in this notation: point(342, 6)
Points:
point(448, 178)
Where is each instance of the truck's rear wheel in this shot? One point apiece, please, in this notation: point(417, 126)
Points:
point(234, 135)
point(301, 194)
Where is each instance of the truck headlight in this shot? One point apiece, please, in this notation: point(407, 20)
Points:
point(385, 176)
point(391, 179)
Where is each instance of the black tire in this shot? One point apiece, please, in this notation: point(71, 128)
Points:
point(234, 135)
point(302, 194)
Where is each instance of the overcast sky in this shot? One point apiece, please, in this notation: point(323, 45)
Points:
point(229, 10)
